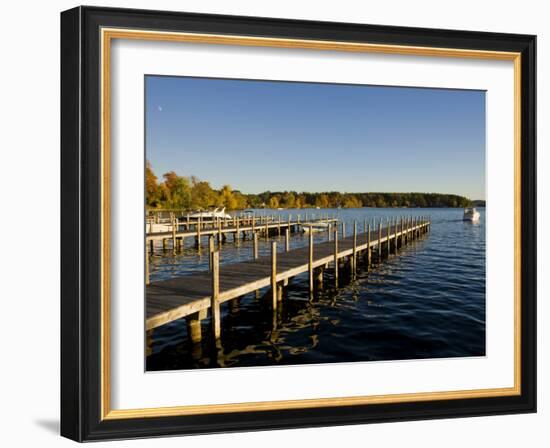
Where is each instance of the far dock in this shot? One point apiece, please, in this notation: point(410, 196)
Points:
point(193, 296)
point(240, 228)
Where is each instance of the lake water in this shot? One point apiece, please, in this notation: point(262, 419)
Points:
point(428, 301)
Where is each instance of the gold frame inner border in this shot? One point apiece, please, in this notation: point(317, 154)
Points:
point(107, 36)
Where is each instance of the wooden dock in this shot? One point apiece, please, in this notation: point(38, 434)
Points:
point(192, 296)
point(238, 227)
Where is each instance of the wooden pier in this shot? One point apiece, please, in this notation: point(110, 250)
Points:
point(238, 227)
point(191, 296)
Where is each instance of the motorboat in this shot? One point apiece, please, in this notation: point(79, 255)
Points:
point(470, 214)
point(315, 227)
point(211, 214)
point(155, 227)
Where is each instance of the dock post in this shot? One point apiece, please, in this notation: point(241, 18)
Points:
point(368, 247)
point(199, 225)
point(343, 229)
point(287, 239)
point(147, 280)
point(193, 322)
point(336, 255)
point(215, 298)
point(237, 237)
point(255, 246)
point(380, 240)
point(319, 277)
point(266, 228)
point(388, 239)
point(164, 244)
point(279, 227)
point(401, 231)
point(310, 264)
point(210, 251)
point(152, 246)
point(395, 236)
point(329, 231)
point(220, 233)
point(354, 259)
point(274, 292)
point(173, 237)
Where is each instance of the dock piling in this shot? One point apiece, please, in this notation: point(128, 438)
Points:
point(310, 269)
point(380, 241)
point(274, 292)
point(336, 255)
point(369, 250)
point(354, 256)
point(287, 239)
point(210, 251)
point(215, 297)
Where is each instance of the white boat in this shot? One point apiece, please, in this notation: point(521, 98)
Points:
point(315, 227)
point(211, 214)
point(154, 227)
point(471, 214)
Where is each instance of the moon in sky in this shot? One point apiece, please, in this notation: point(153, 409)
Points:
point(160, 109)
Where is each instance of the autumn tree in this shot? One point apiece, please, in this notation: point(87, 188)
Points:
point(151, 186)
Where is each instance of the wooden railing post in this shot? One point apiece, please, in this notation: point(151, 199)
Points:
point(215, 298)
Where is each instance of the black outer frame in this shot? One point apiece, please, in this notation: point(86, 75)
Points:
point(81, 223)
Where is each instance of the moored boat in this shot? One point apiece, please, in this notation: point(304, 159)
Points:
point(315, 227)
point(470, 214)
point(210, 214)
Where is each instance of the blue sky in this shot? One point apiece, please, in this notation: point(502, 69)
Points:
point(263, 135)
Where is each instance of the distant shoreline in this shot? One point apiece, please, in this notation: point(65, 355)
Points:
point(191, 193)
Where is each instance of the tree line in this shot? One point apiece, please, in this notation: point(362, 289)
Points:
point(191, 193)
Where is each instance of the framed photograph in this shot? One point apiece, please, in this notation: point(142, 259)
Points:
point(274, 223)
